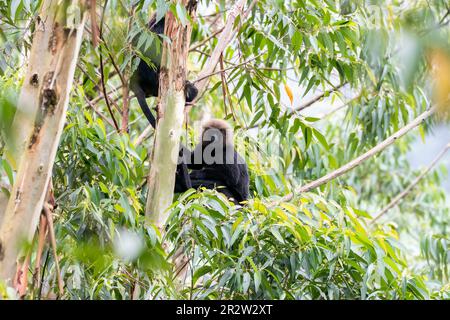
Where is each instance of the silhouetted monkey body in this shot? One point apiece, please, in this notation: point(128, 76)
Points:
point(226, 170)
point(145, 80)
point(215, 163)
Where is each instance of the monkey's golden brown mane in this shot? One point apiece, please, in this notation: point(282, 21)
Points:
point(217, 124)
point(220, 125)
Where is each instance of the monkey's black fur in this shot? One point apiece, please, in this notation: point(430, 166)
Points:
point(231, 178)
point(145, 80)
point(228, 171)
point(145, 83)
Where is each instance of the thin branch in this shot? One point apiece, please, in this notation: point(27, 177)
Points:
point(342, 106)
point(102, 73)
point(51, 232)
point(225, 38)
point(405, 192)
point(226, 91)
point(115, 66)
point(308, 103)
point(125, 88)
point(91, 102)
point(356, 162)
point(249, 9)
point(101, 115)
point(202, 42)
point(224, 86)
point(143, 135)
point(229, 68)
point(100, 96)
point(203, 53)
point(318, 98)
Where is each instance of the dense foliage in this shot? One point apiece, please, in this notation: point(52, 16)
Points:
point(371, 57)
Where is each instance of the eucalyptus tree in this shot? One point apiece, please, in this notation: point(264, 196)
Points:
point(377, 73)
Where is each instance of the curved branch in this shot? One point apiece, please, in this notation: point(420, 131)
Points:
point(102, 72)
point(202, 42)
point(199, 79)
point(405, 192)
point(308, 103)
point(356, 162)
point(319, 97)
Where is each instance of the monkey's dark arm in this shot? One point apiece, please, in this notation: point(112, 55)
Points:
point(217, 175)
point(194, 159)
point(219, 185)
point(233, 176)
point(182, 179)
point(140, 95)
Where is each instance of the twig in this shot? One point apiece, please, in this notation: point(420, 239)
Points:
point(199, 79)
point(226, 91)
point(102, 72)
point(200, 43)
point(342, 106)
point(405, 192)
point(224, 86)
point(122, 78)
point(44, 268)
point(356, 162)
point(142, 136)
point(225, 37)
point(100, 97)
point(318, 97)
point(308, 103)
point(101, 115)
point(51, 232)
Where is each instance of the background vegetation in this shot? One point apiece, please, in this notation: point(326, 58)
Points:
point(377, 64)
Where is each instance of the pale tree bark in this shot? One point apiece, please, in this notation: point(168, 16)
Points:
point(224, 39)
point(226, 36)
point(3, 203)
point(36, 163)
point(28, 103)
point(39, 60)
point(170, 116)
point(356, 162)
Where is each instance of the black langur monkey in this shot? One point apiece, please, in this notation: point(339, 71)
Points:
point(144, 81)
point(216, 163)
point(222, 166)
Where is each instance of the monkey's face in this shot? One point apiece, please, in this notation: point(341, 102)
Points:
point(191, 91)
point(214, 136)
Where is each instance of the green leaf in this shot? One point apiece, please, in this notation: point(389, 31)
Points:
point(246, 282)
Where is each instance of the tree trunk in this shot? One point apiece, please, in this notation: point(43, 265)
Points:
point(27, 104)
point(3, 203)
point(54, 81)
point(170, 114)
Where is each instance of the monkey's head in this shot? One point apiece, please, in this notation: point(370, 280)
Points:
point(190, 91)
point(217, 131)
